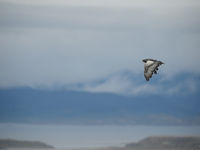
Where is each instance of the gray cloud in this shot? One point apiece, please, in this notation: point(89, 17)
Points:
point(43, 44)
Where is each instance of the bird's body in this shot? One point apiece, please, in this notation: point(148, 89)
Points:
point(150, 67)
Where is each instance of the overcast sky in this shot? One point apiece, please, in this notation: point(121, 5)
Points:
point(98, 44)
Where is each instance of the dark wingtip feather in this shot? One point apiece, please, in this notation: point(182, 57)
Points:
point(161, 62)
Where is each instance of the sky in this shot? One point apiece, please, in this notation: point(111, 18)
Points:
point(95, 44)
point(92, 51)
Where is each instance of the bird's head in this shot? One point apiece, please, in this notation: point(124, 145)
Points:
point(144, 60)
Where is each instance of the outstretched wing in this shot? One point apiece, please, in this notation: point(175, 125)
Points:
point(148, 71)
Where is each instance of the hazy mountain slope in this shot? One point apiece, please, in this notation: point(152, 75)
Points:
point(11, 143)
point(33, 105)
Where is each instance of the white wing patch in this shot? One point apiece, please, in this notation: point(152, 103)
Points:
point(149, 62)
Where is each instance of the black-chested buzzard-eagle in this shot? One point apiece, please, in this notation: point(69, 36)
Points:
point(151, 67)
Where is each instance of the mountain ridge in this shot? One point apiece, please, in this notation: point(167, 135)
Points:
point(72, 107)
point(13, 143)
point(166, 142)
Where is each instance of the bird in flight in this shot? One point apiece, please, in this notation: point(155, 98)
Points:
point(151, 67)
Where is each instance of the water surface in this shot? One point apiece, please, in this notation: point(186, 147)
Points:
point(70, 136)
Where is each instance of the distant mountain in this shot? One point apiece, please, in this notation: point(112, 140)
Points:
point(27, 105)
point(11, 143)
point(165, 143)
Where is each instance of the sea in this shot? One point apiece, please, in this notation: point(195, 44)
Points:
point(70, 137)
